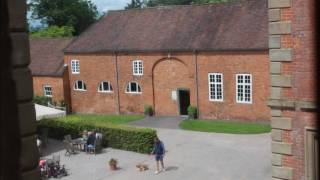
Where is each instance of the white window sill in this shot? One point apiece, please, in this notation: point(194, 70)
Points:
point(79, 90)
point(75, 73)
point(134, 93)
point(216, 100)
point(138, 74)
point(106, 92)
point(240, 102)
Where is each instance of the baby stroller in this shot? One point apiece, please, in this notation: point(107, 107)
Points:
point(51, 168)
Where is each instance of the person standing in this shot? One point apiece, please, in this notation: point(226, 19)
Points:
point(158, 151)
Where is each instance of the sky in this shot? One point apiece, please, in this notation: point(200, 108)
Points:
point(102, 5)
point(105, 5)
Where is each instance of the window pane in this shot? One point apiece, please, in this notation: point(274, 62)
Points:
point(133, 87)
point(139, 89)
point(105, 86)
point(80, 85)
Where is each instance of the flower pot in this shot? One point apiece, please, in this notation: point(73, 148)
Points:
point(113, 167)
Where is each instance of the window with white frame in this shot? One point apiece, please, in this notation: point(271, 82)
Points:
point(215, 81)
point(75, 66)
point(47, 91)
point(244, 88)
point(105, 86)
point(133, 87)
point(137, 66)
point(80, 86)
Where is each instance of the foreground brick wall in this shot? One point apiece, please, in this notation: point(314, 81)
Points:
point(23, 81)
point(293, 84)
point(164, 73)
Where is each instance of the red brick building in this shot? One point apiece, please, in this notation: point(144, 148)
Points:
point(50, 76)
point(214, 57)
point(293, 79)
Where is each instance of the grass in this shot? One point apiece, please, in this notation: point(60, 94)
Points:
point(102, 119)
point(228, 127)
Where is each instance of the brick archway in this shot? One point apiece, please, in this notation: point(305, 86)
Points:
point(169, 75)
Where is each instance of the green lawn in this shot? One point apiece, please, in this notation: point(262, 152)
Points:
point(104, 119)
point(218, 126)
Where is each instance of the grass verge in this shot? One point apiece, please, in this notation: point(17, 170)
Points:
point(228, 127)
point(103, 119)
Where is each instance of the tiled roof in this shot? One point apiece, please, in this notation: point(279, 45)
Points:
point(47, 56)
point(213, 27)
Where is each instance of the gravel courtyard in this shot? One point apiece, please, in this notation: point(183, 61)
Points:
point(190, 156)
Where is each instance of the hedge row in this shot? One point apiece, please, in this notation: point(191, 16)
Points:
point(115, 136)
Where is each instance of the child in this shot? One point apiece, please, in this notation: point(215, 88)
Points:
point(158, 151)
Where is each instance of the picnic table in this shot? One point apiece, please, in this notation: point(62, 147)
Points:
point(79, 143)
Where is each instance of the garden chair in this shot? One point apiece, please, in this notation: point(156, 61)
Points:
point(70, 149)
point(68, 138)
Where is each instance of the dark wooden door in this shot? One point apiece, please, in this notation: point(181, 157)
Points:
point(184, 101)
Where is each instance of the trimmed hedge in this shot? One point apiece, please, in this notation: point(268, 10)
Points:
point(115, 136)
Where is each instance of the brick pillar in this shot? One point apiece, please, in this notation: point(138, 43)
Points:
point(292, 84)
point(24, 91)
point(280, 55)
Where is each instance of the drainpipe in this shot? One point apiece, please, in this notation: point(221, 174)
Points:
point(195, 56)
point(117, 81)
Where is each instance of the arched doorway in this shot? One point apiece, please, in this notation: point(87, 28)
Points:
point(172, 85)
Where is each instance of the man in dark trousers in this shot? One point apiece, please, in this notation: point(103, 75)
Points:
point(158, 151)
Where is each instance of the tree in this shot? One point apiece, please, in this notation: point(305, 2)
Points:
point(135, 4)
point(54, 31)
point(78, 14)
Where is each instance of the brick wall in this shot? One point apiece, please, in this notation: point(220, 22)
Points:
point(231, 64)
point(56, 84)
point(93, 70)
point(164, 73)
point(294, 78)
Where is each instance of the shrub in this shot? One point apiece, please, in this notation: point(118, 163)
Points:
point(115, 136)
point(42, 100)
point(148, 110)
point(192, 112)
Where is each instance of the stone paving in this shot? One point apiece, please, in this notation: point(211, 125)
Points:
point(159, 122)
point(190, 156)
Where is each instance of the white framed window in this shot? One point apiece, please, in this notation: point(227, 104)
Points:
point(75, 66)
point(105, 86)
point(80, 86)
point(137, 67)
point(47, 91)
point(244, 88)
point(133, 87)
point(215, 82)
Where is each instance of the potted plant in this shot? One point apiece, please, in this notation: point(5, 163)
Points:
point(113, 164)
point(148, 110)
point(192, 112)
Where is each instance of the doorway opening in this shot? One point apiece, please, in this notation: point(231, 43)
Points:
point(183, 101)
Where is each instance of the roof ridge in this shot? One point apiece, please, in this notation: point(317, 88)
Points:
point(181, 6)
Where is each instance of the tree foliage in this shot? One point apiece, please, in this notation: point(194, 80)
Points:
point(152, 3)
point(78, 14)
point(54, 31)
point(135, 4)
